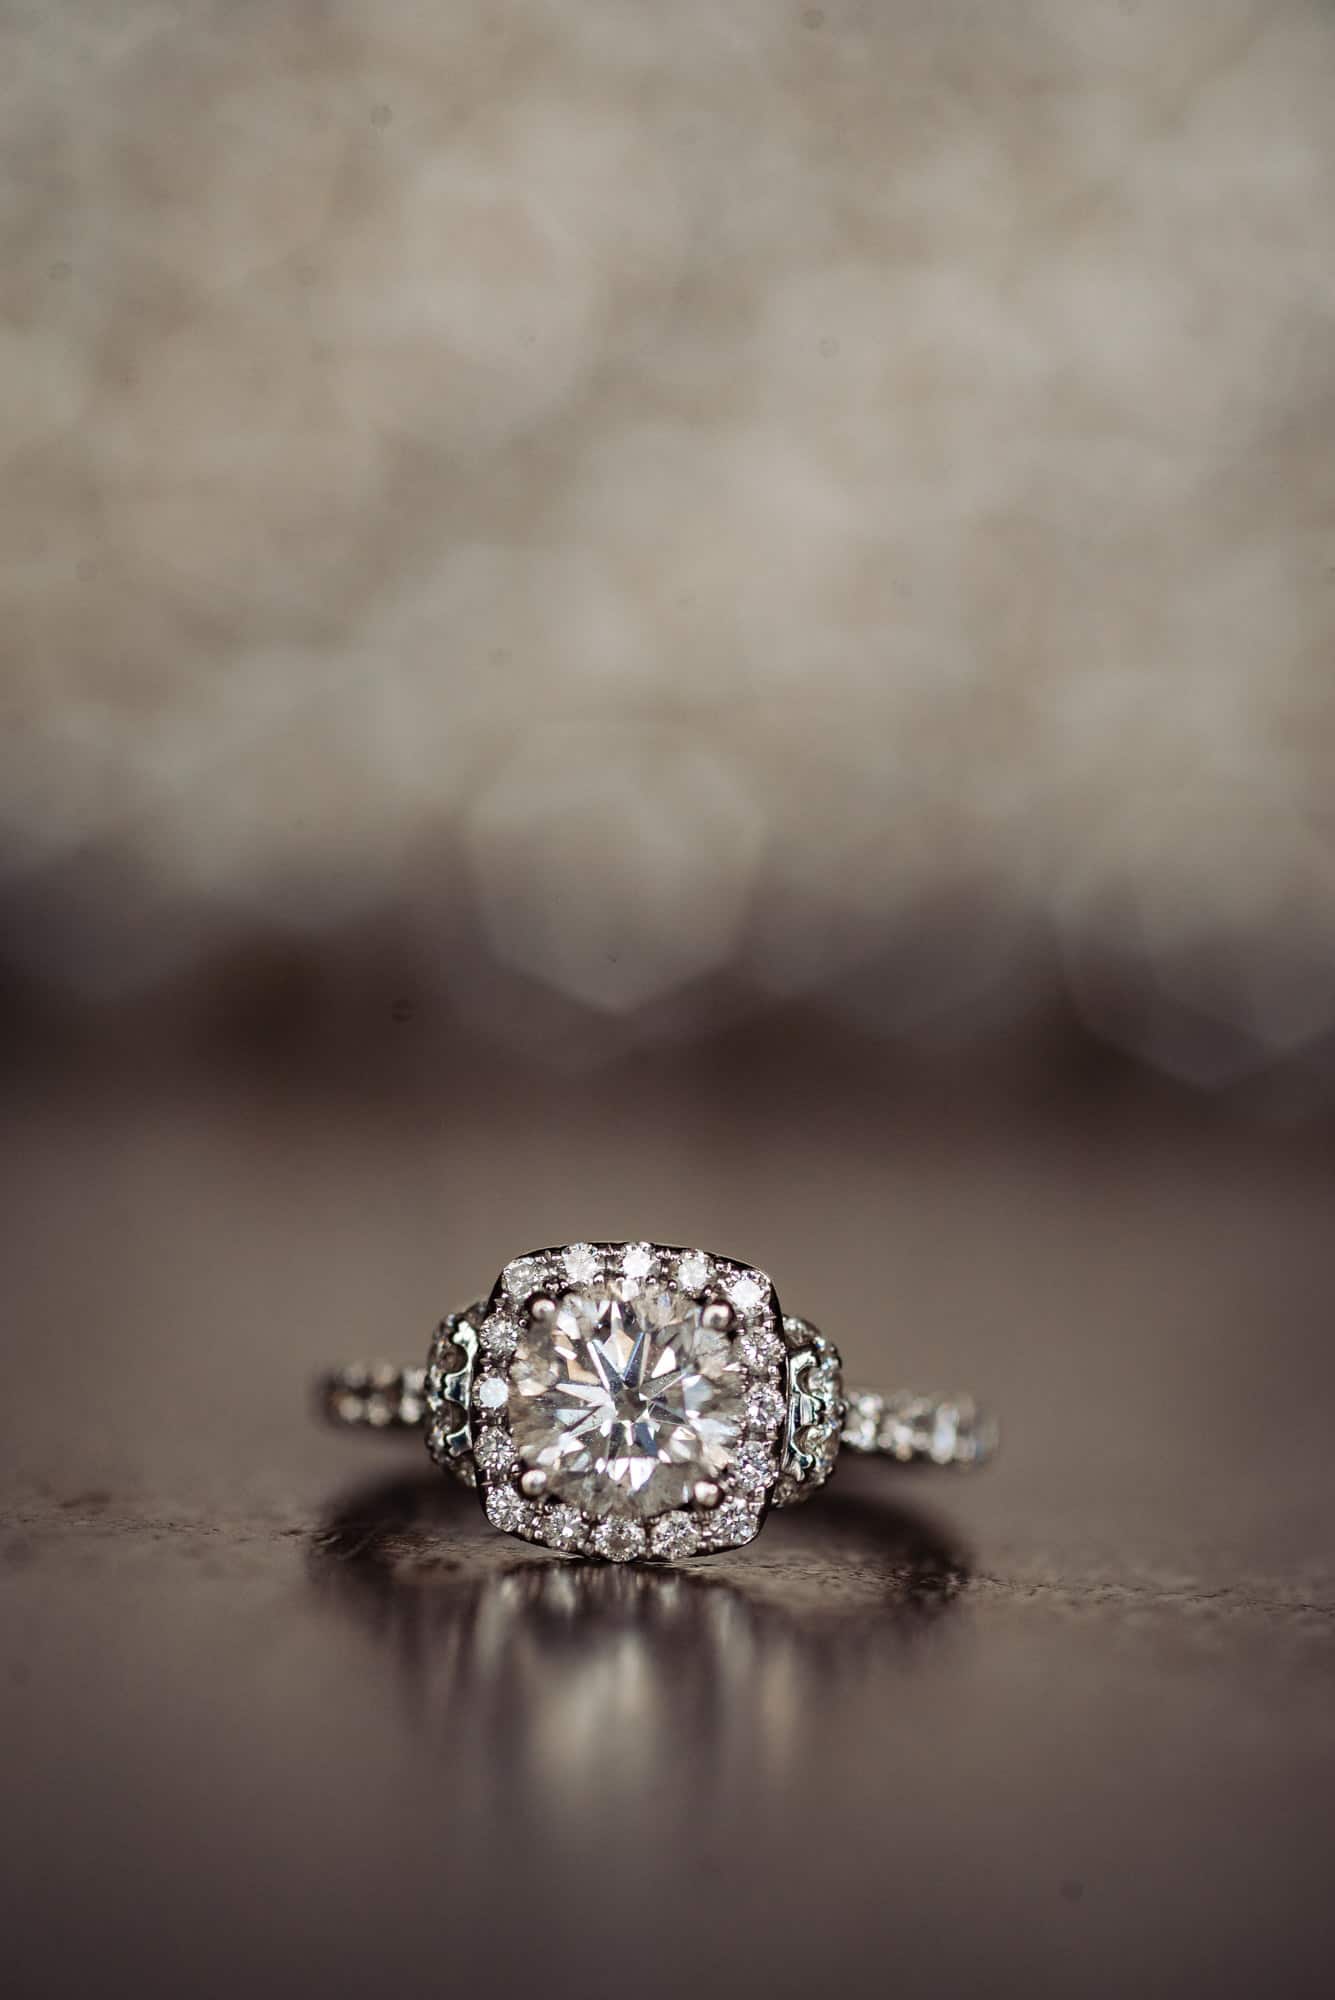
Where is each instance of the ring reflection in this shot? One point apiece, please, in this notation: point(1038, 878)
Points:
point(574, 1681)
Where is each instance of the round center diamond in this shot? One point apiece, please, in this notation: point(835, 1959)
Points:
point(625, 1402)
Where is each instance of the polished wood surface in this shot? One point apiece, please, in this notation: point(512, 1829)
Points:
point(283, 1715)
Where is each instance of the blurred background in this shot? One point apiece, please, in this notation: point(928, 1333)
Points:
point(633, 518)
point(713, 623)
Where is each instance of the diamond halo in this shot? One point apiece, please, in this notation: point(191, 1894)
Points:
point(631, 1401)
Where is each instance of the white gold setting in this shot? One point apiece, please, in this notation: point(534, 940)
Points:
point(642, 1418)
point(636, 1402)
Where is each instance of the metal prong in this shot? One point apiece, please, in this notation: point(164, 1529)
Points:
point(534, 1482)
point(705, 1493)
point(717, 1316)
point(541, 1307)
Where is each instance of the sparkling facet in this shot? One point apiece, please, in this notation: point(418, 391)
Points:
point(563, 1527)
point(760, 1349)
point(637, 1260)
point(766, 1408)
point(494, 1452)
point(694, 1270)
point(491, 1393)
point(754, 1468)
point(506, 1510)
point(618, 1541)
point(863, 1422)
point(626, 1401)
point(734, 1523)
point(523, 1276)
point(582, 1263)
point(945, 1434)
point(498, 1336)
point(746, 1291)
point(674, 1535)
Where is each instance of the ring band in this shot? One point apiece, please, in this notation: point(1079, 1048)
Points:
point(639, 1401)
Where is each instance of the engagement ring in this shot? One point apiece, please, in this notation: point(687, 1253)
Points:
point(636, 1402)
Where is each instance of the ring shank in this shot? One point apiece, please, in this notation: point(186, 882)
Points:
point(911, 1429)
point(374, 1395)
point(916, 1429)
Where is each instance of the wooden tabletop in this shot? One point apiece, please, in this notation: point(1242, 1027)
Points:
point(282, 1715)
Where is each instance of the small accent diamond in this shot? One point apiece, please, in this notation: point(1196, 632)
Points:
point(498, 1336)
point(619, 1541)
point(753, 1468)
point(506, 1510)
point(674, 1535)
point(746, 1290)
point(563, 1527)
point(945, 1434)
point(494, 1451)
point(733, 1524)
point(917, 1427)
point(582, 1263)
point(491, 1393)
point(523, 1276)
point(760, 1349)
point(863, 1422)
point(694, 1270)
point(637, 1260)
point(766, 1408)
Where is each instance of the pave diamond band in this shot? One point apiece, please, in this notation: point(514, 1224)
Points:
point(637, 1401)
point(919, 1430)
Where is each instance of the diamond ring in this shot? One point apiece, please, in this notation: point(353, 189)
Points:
point(635, 1401)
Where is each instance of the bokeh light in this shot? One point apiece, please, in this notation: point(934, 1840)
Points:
point(699, 503)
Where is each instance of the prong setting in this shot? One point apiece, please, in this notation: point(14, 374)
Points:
point(602, 1456)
